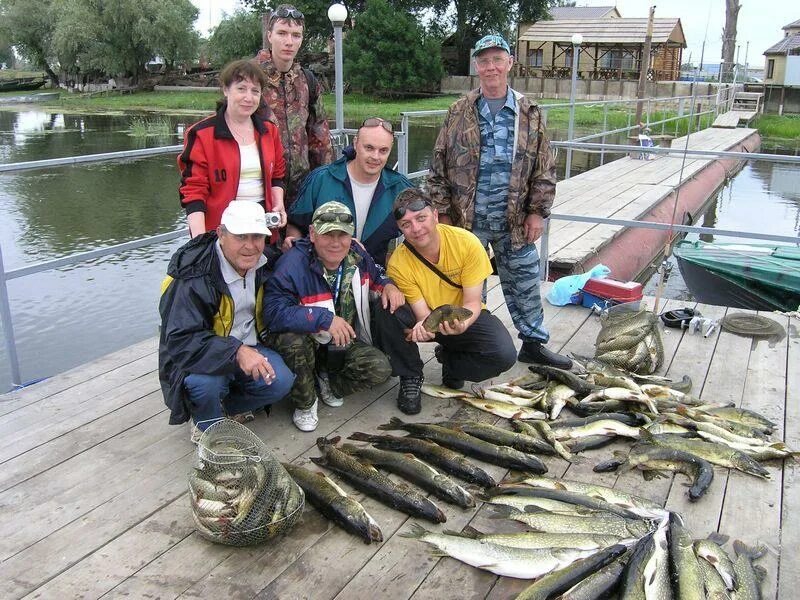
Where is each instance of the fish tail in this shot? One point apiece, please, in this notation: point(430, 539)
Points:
point(394, 423)
point(319, 460)
point(751, 552)
point(417, 532)
point(720, 539)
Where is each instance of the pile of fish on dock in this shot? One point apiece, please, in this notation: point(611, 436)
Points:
point(584, 537)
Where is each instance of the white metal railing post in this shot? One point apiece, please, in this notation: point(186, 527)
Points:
point(402, 145)
point(544, 245)
point(603, 139)
point(577, 39)
point(8, 328)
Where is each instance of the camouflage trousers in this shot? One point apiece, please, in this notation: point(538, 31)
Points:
point(364, 367)
point(519, 277)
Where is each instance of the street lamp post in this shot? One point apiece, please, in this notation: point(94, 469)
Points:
point(337, 14)
point(577, 40)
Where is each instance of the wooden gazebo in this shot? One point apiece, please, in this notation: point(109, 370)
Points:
point(611, 48)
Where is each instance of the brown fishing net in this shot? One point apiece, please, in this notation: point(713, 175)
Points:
point(240, 494)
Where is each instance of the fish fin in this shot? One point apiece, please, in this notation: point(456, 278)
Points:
point(322, 442)
point(760, 573)
point(335, 440)
point(502, 512)
point(417, 531)
point(470, 532)
point(361, 437)
point(720, 539)
point(319, 460)
point(531, 509)
point(751, 552)
point(394, 423)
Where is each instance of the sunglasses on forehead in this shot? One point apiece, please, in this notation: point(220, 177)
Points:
point(285, 12)
point(333, 217)
point(414, 206)
point(378, 122)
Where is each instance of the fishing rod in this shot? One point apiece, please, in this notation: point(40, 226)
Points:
point(663, 268)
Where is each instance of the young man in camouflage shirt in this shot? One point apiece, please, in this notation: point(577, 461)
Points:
point(295, 97)
point(492, 172)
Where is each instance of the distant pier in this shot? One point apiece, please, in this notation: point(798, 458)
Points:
point(646, 190)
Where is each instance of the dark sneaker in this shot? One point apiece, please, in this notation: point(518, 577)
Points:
point(534, 352)
point(409, 398)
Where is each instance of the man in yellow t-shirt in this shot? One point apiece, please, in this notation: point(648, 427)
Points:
point(476, 348)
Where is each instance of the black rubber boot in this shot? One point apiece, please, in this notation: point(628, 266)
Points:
point(534, 352)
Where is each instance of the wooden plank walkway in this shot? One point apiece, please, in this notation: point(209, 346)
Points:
point(93, 484)
point(628, 189)
point(732, 118)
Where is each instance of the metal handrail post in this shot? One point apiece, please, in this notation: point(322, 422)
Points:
point(572, 90)
point(402, 145)
point(8, 327)
point(544, 253)
point(603, 139)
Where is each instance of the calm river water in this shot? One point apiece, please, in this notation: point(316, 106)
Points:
point(67, 317)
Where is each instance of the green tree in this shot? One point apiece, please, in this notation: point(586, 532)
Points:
point(237, 36)
point(112, 37)
point(28, 25)
point(387, 52)
point(118, 37)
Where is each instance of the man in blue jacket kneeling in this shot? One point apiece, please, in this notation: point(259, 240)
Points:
point(317, 308)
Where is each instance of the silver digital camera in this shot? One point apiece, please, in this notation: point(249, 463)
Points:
point(273, 219)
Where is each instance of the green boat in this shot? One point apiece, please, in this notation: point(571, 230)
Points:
point(755, 276)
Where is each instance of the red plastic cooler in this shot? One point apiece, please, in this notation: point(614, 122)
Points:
point(607, 292)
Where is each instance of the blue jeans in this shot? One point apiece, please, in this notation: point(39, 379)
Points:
point(237, 392)
point(519, 277)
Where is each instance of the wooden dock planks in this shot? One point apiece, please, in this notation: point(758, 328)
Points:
point(101, 506)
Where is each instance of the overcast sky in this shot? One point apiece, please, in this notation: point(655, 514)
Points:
point(760, 23)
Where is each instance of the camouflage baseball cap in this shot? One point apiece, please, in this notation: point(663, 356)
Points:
point(490, 41)
point(333, 216)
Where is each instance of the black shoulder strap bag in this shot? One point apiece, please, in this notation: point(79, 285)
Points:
point(428, 264)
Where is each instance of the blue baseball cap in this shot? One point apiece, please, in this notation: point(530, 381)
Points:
point(490, 41)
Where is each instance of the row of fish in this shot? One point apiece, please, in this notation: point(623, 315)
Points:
point(588, 541)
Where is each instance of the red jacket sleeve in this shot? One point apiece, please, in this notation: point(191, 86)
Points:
point(279, 172)
point(193, 165)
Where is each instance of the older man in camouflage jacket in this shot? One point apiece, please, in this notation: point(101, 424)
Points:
point(492, 172)
point(295, 96)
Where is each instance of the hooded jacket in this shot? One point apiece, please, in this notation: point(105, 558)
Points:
point(297, 297)
point(196, 318)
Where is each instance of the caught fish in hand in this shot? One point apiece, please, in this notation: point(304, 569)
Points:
point(446, 313)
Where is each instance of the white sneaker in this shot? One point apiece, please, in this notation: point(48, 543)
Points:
point(194, 433)
point(306, 420)
point(324, 391)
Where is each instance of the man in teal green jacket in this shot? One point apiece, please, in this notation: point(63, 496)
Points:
point(361, 181)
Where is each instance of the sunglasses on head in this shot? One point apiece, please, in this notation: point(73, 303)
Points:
point(414, 206)
point(378, 122)
point(333, 217)
point(285, 12)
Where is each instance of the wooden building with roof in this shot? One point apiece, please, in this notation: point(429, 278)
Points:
point(782, 72)
point(612, 48)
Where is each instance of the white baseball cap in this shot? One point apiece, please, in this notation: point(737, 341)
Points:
point(242, 217)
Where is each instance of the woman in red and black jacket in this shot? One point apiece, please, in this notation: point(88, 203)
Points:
point(234, 155)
